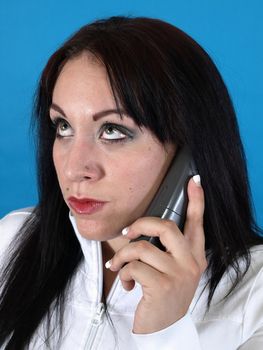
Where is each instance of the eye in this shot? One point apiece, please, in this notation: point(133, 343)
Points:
point(115, 133)
point(62, 127)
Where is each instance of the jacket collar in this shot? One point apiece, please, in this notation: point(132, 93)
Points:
point(93, 277)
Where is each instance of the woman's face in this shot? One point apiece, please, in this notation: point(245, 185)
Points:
point(108, 168)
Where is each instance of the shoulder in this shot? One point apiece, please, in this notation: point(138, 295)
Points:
point(253, 284)
point(256, 263)
point(247, 295)
point(255, 271)
point(250, 274)
point(253, 277)
point(242, 305)
point(250, 283)
point(10, 224)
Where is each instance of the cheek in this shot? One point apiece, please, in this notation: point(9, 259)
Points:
point(56, 158)
point(141, 179)
point(58, 163)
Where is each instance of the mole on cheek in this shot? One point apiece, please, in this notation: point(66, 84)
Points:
point(130, 189)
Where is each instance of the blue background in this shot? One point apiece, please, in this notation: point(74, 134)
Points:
point(230, 30)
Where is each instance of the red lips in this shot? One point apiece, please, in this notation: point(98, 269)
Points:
point(85, 205)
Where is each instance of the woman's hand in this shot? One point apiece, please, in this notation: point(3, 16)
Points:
point(168, 279)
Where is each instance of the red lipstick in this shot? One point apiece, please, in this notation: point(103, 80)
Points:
point(85, 205)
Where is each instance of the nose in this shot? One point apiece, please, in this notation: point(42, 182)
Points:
point(83, 162)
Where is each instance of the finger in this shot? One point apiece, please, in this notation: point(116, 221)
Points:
point(143, 251)
point(170, 236)
point(140, 272)
point(167, 231)
point(193, 228)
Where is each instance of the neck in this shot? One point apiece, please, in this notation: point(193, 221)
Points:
point(109, 248)
point(116, 243)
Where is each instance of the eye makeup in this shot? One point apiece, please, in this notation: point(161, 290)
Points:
point(109, 132)
point(62, 127)
point(112, 133)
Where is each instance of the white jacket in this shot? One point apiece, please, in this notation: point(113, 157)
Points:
point(236, 323)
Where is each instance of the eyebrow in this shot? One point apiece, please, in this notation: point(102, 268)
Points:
point(95, 116)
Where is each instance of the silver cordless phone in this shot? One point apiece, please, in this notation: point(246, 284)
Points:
point(170, 201)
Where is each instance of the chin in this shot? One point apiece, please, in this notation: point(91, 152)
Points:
point(97, 230)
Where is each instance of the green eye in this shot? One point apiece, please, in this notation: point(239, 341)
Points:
point(62, 127)
point(114, 133)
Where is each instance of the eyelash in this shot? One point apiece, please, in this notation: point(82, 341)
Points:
point(120, 128)
point(55, 124)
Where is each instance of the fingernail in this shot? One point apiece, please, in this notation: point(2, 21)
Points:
point(125, 231)
point(197, 180)
point(108, 264)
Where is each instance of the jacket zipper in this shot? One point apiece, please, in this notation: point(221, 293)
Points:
point(94, 326)
point(97, 319)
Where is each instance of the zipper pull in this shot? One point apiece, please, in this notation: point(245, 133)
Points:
point(98, 315)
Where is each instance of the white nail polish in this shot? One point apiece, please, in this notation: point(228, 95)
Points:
point(125, 231)
point(108, 264)
point(197, 180)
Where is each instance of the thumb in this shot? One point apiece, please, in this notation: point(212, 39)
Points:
point(193, 229)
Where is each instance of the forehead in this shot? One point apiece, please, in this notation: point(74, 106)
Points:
point(81, 66)
point(83, 80)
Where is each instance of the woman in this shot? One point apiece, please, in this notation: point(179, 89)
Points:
point(115, 105)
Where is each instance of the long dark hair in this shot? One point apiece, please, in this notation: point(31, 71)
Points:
point(165, 81)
